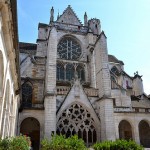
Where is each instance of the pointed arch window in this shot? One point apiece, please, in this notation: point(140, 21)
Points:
point(60, 72)
point(80, 72)
point(77, 120)
point(69, 72)
point(27, 93)
point(69, 48)
point(66, 72)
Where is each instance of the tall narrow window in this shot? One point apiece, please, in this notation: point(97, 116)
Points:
point(80, 72)
point(69, 72)
point(127, 83)
point(27, 94)
point(60, 72)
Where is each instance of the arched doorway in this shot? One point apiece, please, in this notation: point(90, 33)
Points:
point(31, 127)
point(125, 130)
point(144, 133)
point(77, 120)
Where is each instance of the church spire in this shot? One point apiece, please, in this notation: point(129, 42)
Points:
point(85, 19)
point(52, 15)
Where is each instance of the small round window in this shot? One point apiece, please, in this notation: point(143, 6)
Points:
point(68, 48)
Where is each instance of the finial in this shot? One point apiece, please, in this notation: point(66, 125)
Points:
point(52, 15)
point(85, 19)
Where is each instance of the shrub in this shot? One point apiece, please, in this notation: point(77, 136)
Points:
point(56, 143)
point(117, 145)
point(5, 144)
point(20, 143)
point(59, 142)
point(73, 143)
point(15, 143)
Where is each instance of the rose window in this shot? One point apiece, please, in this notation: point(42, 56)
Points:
point(69, 49)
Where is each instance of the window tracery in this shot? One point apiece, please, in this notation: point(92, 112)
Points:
point(67, 71)
point(68, 48)
point(27, 94)
point(60, 72)
point(77, 120)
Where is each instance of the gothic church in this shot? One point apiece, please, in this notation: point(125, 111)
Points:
point(71, 85)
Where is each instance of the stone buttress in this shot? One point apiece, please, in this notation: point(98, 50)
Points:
point(50, 94)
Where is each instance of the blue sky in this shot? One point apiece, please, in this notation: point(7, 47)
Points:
point(126, 24)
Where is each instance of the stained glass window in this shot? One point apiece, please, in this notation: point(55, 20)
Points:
point(27, 93)
point(60, 72)
point(68, 48)
point(69, 72)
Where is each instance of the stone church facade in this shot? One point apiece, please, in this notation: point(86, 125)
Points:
point(71, 85)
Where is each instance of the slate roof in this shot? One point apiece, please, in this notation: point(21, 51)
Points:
point(42, 25)
point(112, 58)
point(27, 46)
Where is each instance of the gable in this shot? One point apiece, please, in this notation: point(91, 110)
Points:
point(77, 96)
point(69, 17)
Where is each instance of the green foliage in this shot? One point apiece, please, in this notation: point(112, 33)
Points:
point(5, 144)
point(15, 143)
point(20, 143)
point(117, 145)
point(59, 142)
point(74, 143)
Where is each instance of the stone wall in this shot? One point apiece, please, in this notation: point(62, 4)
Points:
point(9, 80)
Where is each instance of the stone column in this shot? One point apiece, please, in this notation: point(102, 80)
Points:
point(50, 116)
point(50, 85)
point(136, 134)
point(92, 66)
point(106, 113)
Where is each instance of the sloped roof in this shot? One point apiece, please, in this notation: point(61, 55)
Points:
point(112, 58)
point(27, 46)
point(69, 17)
point(143, 103)
point(42, 25)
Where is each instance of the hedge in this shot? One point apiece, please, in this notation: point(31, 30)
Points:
point(117, 145)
